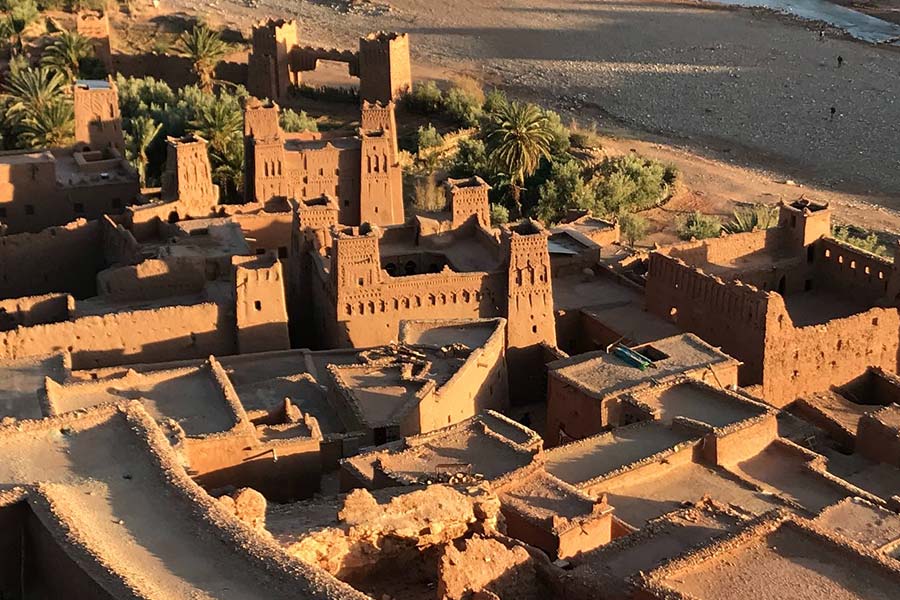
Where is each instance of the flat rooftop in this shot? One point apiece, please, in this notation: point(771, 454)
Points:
point(646, 499)
point(820, 306)
point(782, 470)
point(789, 558)
point(380, 393)
point(542, 497)
point(698, 402)
point(863, 522)
point(658, 541)
point(473, 334)
point(191, 397)
point(304, 392)
point(633, 321)
point(602, 374)
point(596, 456)
point(838, 409)
point(880, 479)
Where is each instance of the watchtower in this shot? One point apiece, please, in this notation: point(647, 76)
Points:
point(530, 292)
point(384, 67)
point(188, 176)
point(264, 158)
point(468, 198)
point(380, 182)
point(269, 62)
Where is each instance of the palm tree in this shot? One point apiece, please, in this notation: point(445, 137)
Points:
point(31, 89)
point(205, 49)
point(66, 53)
point(228, 168)
point(518, 137)
point(218, 122)
point(143, 130)
point(50, 126)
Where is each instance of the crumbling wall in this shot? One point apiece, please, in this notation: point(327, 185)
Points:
point(728, 315)
point(267, 232)
point(59, 259)
point(34, 310)
point(119, 245)
point(850, 271)
point(155, 335)
point(799, 361)
point(153, 279)
point(878, 435)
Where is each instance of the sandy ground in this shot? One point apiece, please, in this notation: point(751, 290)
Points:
point(713, 90)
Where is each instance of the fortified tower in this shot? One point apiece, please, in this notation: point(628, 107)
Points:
point(188, 176)
point(468, 199)
point(805, 223)
point(380, 117)
point(264, 158)
point(94, 25)
point(356, 269)
point(98, 123)
point(530, 294)
point(269, 62)
point(384, 67)
point(381, 180)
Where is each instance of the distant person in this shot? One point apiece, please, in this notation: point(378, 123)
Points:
point(833, 110)
point(821, 35)
point(840, 61)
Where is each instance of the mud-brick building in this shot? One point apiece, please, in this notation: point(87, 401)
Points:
point(40, 189)
point(801, 310)
point(360, 171)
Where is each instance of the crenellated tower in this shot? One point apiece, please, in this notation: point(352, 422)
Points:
point(269, 62)
point(356, 269)
point(384, 67)
point(530, 291)
point(468, 199)
point(380, 182)
point(264, 156)
point(260, 306)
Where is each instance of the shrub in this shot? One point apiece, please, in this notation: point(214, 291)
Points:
point(584, 137)
point(293, 122)
point(428, 195)
point(632, 227)
point(494, 100)
point(862, 239)
point(499, 214)
point(463, 106)
point(631, 184)
point(563, 190)
point(428, 137)
point(752, 218)
point(698, 226)
point(559, 143)
point(471, 159)
point(425, 98)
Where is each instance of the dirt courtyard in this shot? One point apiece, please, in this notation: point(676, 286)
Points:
point(735, 87)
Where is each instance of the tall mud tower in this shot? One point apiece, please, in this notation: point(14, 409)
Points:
point(188, 176)
point(269, 63)
point(384, 67)
point(530, 307)
point(264, 157)
point(98, 123)
point(381, 177)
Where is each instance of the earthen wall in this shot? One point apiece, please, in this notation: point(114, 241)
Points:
point(34, 310)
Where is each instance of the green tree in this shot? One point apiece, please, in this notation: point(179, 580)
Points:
point(471, 159)
point(633, 227)
point(228, 168)
point(697, 226)
point(205, 49)
point(294, 122)
point(425, 98)
point(31, 89)
point(518, 136)
point(140, 133)
point(499, 214)
point(864, 240)
point(631, 183)
point(67, 52)
point(565, 189)
point(50, 126)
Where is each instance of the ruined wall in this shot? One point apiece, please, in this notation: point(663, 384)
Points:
point(878, 438)
point(744, 442)
point(154, 279)
point(267, 232)
point(33, 310)
point(119, 245)
point(730, 316)
point(154, 335)
point(479, 384)
point(848, 270)
point(647, 469)
point(286, 471)
point(59, 259)
point(801, 360)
